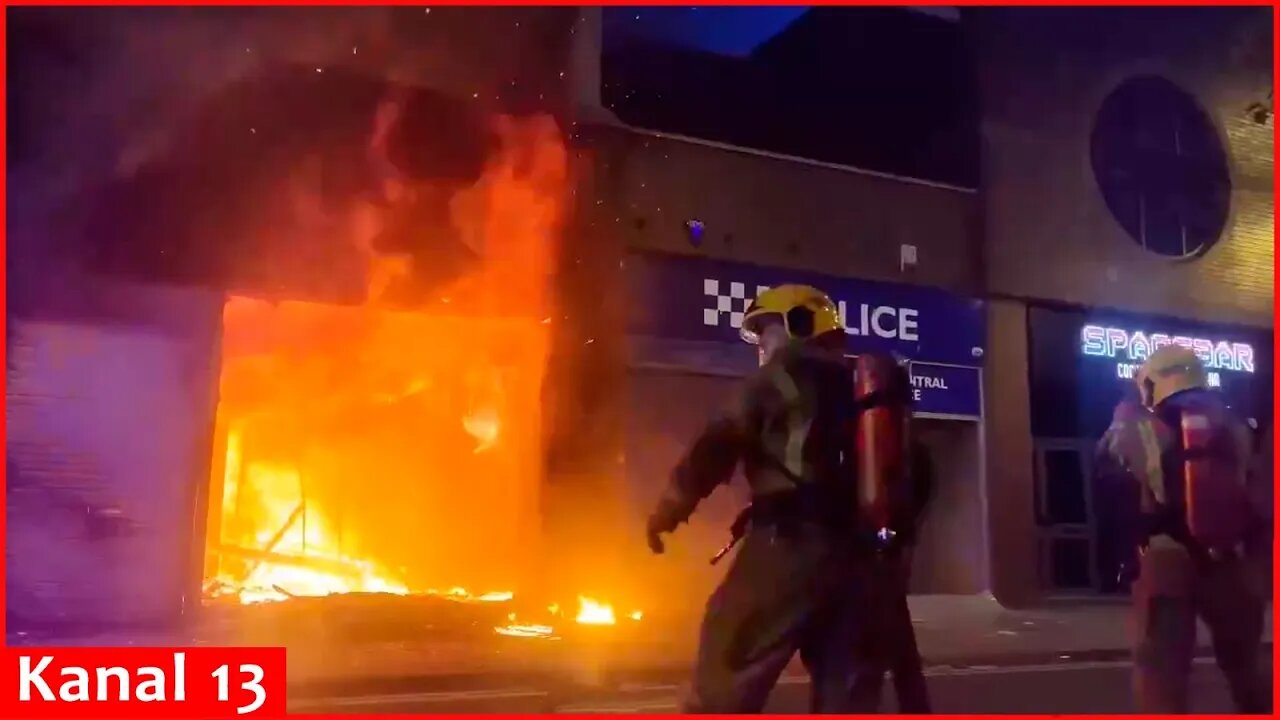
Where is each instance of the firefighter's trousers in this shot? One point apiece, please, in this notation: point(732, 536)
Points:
point(790, 589)
point(1171, 592)
point(889, 639)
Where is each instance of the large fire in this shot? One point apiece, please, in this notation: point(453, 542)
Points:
point(385, 449)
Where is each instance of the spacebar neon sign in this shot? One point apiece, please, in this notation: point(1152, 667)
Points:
point(1132, 348)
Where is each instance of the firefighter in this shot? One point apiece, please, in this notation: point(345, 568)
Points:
point(790, 587)
point(888, 641)
point(1197, 527)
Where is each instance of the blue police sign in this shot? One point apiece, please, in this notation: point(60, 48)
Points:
point(702, 300)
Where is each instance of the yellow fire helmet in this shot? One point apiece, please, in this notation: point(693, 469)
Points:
point(1170, 369)
point(806, 312)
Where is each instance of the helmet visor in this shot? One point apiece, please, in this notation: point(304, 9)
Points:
point(754, 325)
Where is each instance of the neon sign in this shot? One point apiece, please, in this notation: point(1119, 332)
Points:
point(1132, 348)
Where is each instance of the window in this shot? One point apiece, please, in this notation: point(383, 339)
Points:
point(1064, 488)
point(1161, 167)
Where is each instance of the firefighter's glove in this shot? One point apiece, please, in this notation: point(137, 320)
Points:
point(662, 521)
point(654, 533)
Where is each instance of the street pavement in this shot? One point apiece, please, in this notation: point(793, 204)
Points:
point(1060, 657)
point(345, 646)
point(1068, 687)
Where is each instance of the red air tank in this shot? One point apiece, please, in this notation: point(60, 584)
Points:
point(882, 389)
point(1212, 477)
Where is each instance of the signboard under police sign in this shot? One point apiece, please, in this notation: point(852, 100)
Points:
point(946, 391)
point(699, 299)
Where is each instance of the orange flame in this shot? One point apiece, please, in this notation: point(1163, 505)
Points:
point(378, 449)
point(594, 612)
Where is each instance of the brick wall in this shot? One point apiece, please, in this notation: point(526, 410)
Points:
point(783, 213)
point(1049, 235)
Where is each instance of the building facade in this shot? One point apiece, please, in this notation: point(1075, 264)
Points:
point(1121, 199)
point(1126, 195)
point(709, 202)
point(989, 210)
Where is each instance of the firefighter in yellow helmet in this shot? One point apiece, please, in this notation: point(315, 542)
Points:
point(790, 587)
point(1198, 526)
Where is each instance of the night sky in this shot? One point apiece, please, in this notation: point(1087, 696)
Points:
point(878, 88)
point(734, 31)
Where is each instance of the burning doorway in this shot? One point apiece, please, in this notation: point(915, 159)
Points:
point(395, 446)
point(372, 450)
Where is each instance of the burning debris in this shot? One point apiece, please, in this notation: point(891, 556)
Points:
point(450, 609)
point(590, 612)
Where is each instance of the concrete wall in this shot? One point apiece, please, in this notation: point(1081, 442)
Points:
point(1010, 459)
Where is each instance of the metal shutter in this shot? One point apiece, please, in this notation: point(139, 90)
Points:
point(107, 425)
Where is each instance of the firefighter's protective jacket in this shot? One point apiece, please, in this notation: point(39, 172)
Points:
point(792, 431)
point(1143, 443)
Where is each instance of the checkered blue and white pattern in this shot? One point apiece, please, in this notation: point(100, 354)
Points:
point(727, 299)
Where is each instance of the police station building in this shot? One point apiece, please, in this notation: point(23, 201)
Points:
point(686, 356)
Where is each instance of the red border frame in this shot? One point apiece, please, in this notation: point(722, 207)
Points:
point(4, 154)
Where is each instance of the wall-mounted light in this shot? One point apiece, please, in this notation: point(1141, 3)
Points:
point(694, 231)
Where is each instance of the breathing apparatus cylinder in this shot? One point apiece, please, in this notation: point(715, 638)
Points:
point(883, 394)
